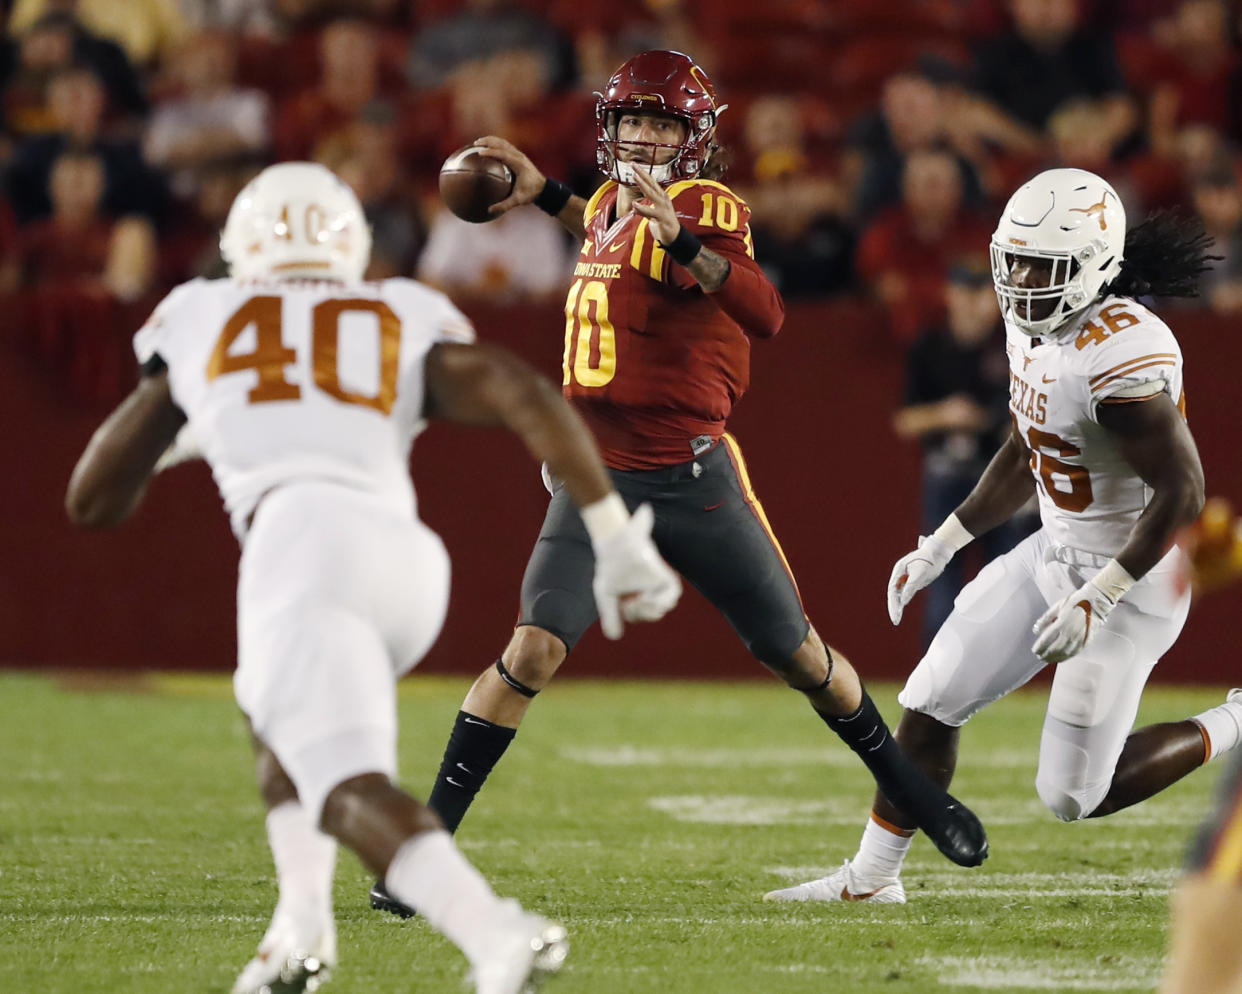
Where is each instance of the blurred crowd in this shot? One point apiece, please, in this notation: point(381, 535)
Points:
point(874, 141)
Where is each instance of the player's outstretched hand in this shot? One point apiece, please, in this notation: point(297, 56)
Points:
point(1066, 627)
point(657, 206)
point(632, 582)
point(914, 571)
point(527, 179)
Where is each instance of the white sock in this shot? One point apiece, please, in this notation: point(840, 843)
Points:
point(430, 874)
point(881, 852)
point(1222, 727)
point(305, 861)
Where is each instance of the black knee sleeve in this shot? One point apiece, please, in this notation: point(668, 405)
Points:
point(513, 681)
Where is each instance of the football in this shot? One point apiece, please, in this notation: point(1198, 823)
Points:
point(470, 183)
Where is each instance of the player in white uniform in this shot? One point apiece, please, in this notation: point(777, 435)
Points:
point(1098, 430)
point(304, 387)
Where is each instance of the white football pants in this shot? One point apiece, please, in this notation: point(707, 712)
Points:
point(340, 593)
point(983, 651)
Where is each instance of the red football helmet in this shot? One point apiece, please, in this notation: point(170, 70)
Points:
point(667, 82)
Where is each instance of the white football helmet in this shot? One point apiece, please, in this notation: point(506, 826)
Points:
point(296, 219)
point(1073, 218)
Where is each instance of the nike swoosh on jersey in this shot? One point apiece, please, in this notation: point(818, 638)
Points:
point(1049, 379)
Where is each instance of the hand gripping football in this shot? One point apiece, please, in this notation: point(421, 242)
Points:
point(470, 183)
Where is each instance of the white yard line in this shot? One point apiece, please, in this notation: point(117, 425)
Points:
point(42, 919)
point(999, 973)
point(748, 809)
point(628, 754)
point(980, 884)
point(56, 841)
point(891, 918)
point(57, 776)
point(1151, 878)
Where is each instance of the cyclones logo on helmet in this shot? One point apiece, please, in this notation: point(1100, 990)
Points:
point(667, 82)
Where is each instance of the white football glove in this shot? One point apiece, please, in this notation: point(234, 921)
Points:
point(914, 571)
point(183, 449)
point(1066, 627)
point(632, 582)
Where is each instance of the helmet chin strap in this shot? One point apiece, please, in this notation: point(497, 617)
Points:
point(1068, 322)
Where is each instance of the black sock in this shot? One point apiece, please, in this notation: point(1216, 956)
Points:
point(903, 783)
point(473, 749)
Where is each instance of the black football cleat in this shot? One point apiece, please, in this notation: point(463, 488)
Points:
point(381, 900)
point(957, 833)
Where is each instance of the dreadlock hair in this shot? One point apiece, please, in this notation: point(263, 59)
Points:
point(1164, 256)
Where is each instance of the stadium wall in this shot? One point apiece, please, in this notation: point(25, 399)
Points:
point(840, 492)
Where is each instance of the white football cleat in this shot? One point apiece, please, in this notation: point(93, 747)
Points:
point(528, 952)
point(841, 885)
point(285, 965)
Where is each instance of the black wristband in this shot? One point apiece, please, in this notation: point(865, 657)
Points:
point(553, 197)
point(685, 248)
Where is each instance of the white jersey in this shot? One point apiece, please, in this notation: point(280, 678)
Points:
point(1089, 496)
point(301, 380)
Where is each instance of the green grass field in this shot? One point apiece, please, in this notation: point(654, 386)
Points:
point(650, 818)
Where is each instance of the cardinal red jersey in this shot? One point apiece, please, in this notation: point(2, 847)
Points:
point(652, 362)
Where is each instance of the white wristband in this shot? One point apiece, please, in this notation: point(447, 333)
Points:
point(953, 533)
point(1113, 581)
point(605, 518)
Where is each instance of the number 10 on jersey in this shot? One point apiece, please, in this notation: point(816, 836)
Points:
point(590, 339)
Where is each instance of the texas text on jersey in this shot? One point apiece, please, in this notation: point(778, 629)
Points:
point(1089, 496)
point(1099, 433)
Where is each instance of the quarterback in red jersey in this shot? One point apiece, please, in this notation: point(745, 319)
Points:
point(654, 358)
point(665, 298)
